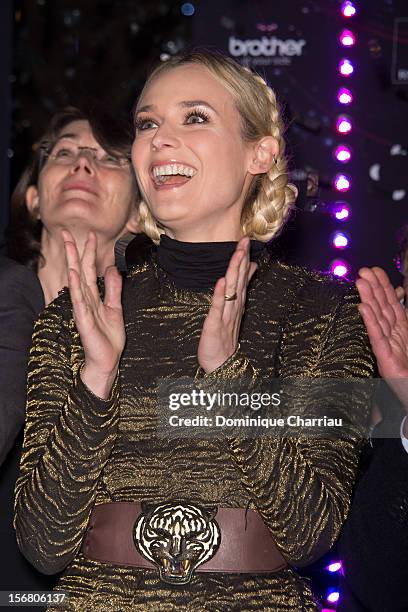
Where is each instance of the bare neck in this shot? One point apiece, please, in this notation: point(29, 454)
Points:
point(53, 274)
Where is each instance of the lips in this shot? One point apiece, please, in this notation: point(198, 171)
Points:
point(173, 169)
point(79, 186)
point(171, 173)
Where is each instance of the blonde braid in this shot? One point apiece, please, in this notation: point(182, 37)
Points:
point(148, 224)
point(266, 214)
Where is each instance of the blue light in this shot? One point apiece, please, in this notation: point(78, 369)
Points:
point(334, 567)
point(333, 596)
point(187, 9)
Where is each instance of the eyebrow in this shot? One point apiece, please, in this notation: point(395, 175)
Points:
point(184, 104)
point(74, 137)
point(67, 135)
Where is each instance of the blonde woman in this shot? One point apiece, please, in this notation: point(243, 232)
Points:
point(141, 523)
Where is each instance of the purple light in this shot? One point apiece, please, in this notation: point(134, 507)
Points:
point(334, 596)
point(328, 610)
point(344, 96)
point(346, 68)
point(342, 182)
point(341, 211)
point(340, 241)
point(339, 267)
point(348, 9)
point(347, 38)
point(334, 567)
point(342, 153)
point(343, 124)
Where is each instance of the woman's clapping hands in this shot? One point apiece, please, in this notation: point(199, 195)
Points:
point(219, 337)
point(99, 323)
point(387, 325)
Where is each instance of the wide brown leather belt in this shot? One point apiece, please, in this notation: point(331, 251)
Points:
point(179, 538)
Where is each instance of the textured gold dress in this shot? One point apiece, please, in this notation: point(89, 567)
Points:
point(80, 450)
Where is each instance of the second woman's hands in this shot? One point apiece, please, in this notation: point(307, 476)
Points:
point(100, 324)
point(219, 336)
point(386, 321)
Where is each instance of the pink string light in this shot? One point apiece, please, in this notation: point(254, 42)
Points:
point(346, 68)
point(348, 9)
point(344, 96)
point(347, 38)
point(342, 153)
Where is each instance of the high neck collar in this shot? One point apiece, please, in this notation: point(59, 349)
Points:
point(198, 265)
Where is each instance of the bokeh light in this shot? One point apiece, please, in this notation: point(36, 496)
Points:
point(340, 240)
point(342, 153)
point(187, 9)
point(348, 9)
point(344, 96)
point(346, 68)
point(342, 182)
point(334, 596)
point(341, 211)
point(334, 567)
point(339, 267)
point(343, 124)
point(347, 38)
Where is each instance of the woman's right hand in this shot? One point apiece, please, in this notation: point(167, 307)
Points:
point(100, 324)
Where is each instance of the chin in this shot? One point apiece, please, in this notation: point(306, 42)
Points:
point(79, 204)
point(170, 213)
point(75, 215)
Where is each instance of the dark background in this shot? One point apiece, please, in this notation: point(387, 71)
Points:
point(57, 51)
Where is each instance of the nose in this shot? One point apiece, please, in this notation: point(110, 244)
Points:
point(164, 137)
point(84, 162)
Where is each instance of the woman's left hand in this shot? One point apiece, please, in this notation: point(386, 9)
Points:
point(386, 321)
point(219, 336)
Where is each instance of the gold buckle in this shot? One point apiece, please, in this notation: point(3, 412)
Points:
point(177, 538)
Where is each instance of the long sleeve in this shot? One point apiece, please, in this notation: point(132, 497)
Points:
point(20, 303)
point(375, 535)
point(302, 485)
point(296, 324)
point(68, 438)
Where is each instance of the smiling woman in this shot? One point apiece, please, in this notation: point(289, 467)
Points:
point(145, 523)
point(225, 131)
point(80, 179)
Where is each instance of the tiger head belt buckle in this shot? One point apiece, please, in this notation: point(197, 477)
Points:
point(177, 538)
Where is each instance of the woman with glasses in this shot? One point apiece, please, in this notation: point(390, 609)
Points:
point(144, 522)
point(80, 179)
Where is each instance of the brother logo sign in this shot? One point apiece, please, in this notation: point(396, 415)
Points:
point(267, 47)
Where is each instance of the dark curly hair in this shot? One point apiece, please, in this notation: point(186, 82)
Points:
point(24, 230)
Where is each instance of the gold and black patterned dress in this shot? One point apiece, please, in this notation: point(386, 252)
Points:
point(80, 450)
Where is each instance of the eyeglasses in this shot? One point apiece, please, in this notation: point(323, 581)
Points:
point(65, 154)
